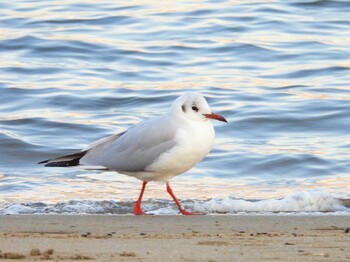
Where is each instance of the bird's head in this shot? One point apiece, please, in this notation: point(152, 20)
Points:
point(194, 106)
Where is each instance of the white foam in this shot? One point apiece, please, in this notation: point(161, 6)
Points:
point(80, 208)
point(70, 207)
point(301, 201)
point(17, 209)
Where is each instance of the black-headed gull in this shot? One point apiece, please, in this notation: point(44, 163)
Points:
point(156, 149)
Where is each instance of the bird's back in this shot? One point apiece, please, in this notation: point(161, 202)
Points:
point(135, 149)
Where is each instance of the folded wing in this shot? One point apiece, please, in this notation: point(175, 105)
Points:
point(135, 149)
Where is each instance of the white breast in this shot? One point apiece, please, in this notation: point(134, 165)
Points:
point(193, 143)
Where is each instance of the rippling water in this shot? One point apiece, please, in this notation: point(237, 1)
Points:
point(75, 71)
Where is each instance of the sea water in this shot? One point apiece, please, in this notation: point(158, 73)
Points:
point(72, 72)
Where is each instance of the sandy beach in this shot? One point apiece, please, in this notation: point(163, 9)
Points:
point(175, 238)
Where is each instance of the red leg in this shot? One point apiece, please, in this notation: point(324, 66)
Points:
point(182, 211)
point(137, 207)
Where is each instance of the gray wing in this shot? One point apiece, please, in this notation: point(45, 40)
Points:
point(74, 159)
point(104, 140)
point(135, 149)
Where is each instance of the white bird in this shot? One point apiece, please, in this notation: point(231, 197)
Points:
point(156, 149)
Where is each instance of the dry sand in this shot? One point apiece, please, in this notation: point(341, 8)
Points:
point(175, 238)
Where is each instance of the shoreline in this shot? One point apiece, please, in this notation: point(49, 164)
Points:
point(175, 237)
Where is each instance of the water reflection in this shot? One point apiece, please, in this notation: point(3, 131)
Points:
point(278, 71)
point(112, 186)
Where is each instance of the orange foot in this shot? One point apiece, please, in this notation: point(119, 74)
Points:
point(138, 210)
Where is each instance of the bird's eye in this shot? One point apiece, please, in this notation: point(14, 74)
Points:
point(194, 108)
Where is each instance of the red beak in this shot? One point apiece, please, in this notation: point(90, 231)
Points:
point(216, 117)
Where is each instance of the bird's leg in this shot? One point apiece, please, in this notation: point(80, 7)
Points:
point(137, 207)
point(182, 211)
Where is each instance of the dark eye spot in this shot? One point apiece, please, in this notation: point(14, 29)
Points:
point(183, 107)
point(194, 108)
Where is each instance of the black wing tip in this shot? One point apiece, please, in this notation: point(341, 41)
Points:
point(43, 162)
point(73, 161)
point(63, 163)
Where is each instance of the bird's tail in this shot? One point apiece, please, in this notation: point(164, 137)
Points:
point(64, 161)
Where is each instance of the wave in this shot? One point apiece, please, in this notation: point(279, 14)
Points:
point(302, 202)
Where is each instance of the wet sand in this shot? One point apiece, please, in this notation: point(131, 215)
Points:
point(175, 238)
